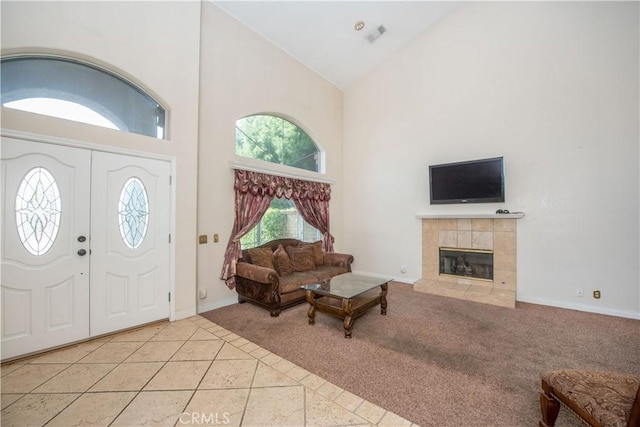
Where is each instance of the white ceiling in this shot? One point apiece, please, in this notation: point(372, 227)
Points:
point(321, 34)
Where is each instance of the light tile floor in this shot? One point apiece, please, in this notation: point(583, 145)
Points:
point(188, 372)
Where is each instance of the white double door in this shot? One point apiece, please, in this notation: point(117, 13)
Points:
point(85, 244)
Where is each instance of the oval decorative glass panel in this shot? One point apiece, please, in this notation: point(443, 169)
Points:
point(38, 211)
point(133, 213)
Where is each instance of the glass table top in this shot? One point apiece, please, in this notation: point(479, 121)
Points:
point(347, 285)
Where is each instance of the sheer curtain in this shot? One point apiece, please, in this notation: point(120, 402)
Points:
point(254, 193)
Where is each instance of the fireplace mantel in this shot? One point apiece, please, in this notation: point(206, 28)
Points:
point(515, 215)
point(495, 233)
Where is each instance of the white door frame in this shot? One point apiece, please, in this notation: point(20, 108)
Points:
point(47, 139)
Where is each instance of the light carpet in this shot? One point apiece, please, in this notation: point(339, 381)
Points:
point(445, 362)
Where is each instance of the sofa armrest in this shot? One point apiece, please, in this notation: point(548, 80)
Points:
point(256, 273)
point(258, 284)
point(338, 260)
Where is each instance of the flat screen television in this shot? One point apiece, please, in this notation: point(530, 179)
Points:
point(475, 181)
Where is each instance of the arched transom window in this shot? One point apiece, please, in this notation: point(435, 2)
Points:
point(79, 91)
point(276, 140)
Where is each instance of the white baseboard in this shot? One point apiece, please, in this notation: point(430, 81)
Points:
point(217, 304)
point(582, 307)
point(183, 314)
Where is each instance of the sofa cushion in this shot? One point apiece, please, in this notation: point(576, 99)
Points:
point(327, 272)
point(262, 257)
point(301, 258)
point(282, 262)
point(318, 253)
point(293, 282)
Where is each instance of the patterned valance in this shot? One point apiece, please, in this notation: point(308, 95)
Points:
point(278, 186)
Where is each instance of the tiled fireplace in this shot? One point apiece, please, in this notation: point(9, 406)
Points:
point(470, 257)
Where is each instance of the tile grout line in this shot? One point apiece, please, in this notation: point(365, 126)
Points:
point(333, 400)
point(164, 363)
point(141, 388)
point(200, 323)
point(203, 376)
point(83, 393)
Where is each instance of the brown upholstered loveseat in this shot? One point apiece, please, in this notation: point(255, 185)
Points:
point(264, 277)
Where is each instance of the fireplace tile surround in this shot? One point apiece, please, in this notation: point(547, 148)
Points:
point(496, 233)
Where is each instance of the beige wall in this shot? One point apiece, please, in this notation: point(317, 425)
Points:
point(153, 44)
point(243, 74)
point(160, 48)
point(551, 86)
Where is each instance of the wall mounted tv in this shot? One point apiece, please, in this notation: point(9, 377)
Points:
point(475, 181)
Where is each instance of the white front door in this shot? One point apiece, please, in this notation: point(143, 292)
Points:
point(85, 244)
point(130, 241)
point(45, 228)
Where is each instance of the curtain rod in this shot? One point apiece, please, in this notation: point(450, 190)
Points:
point(244, 166)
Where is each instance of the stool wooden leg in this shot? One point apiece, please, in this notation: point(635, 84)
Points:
point(549, 406)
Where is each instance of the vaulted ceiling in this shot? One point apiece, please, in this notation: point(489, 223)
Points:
point(322, 34)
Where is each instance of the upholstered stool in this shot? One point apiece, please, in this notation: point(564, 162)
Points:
point(597, 398)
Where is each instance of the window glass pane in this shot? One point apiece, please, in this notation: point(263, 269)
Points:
point(276, 140)
point(38, 210)
point(28, 80)
point(133, 213)
point(61, 109)
point(282, 220)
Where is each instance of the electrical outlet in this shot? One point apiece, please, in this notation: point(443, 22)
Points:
point(216, 238)
point(580, 292)
point(202, 293)
point(202, 239)
point(596, 294)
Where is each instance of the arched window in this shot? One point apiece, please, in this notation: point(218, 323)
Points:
point(74, 90)
point(276, 140)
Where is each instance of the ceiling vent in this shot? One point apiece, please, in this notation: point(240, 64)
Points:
point(374, 35)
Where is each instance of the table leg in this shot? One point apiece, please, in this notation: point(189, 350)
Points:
point(347, 308)
point(312, 308)
point(383, 299)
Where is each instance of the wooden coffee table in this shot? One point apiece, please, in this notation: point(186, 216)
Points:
point(347, 297)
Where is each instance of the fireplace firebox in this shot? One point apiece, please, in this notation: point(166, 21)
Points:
point(470, 263)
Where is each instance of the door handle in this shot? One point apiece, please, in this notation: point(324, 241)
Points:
point(81, 239)
point(82, 252)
